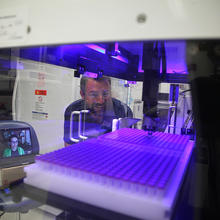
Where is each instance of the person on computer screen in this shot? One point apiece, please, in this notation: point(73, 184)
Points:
point(14, 149)
point(96, 97)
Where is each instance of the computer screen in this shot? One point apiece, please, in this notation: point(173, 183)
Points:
point(18, 144)
point(15, 142)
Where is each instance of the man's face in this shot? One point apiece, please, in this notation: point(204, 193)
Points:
point(97, 94)
point(14, 143)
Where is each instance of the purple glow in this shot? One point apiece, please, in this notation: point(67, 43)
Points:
point(116, 48)
point(131, 82)
point(12, 65)
point(102, 50)
point(70, 47)
point(96, 48)
point(147, 161)
point(176, 57)
point(90, 74)
point(140, 70)
point(122, 59)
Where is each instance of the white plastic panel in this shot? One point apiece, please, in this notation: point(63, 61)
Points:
point(44, 112)
point(56, 22)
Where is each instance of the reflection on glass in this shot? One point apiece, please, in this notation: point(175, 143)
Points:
point(103, 108)
point(47, 87)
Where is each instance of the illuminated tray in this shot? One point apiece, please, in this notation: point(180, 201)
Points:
point(126, 171)
point(142, 138)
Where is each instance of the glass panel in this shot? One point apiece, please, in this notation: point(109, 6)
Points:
point(77, 90)
point(71, 93)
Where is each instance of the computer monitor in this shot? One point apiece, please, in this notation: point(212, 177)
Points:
point(18, 143)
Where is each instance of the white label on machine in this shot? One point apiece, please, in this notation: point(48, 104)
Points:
point(13, 24)
point(40, 108)
point(39, 115)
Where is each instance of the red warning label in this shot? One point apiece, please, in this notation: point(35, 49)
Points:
point(40, 92)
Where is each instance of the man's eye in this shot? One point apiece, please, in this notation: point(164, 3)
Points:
point(93, 94)
point(96, 94)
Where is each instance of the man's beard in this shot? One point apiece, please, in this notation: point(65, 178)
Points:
point(97, 111)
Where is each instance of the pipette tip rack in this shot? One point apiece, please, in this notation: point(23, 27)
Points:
point(128, 160)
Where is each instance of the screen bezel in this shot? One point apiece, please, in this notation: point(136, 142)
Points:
point(6, 162)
